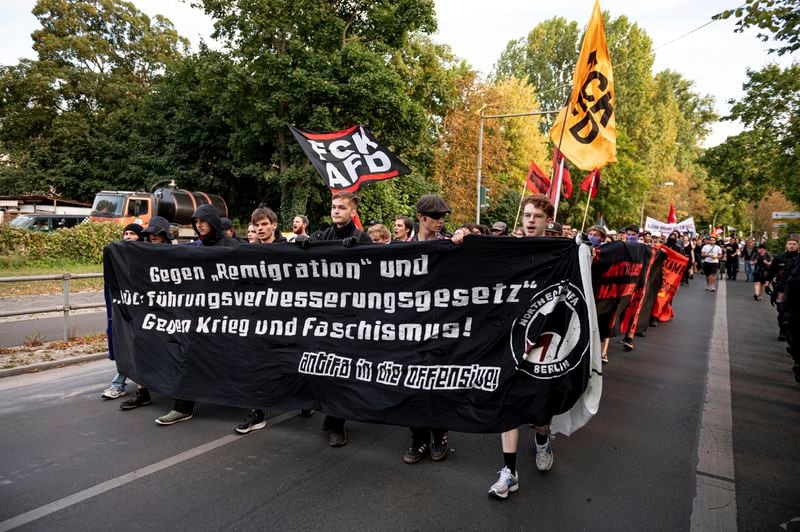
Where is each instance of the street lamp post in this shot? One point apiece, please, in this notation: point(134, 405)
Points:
point(644, 200)
point(714, 221)
point(481, 118)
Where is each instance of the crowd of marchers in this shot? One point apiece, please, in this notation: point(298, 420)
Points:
point(705, 255)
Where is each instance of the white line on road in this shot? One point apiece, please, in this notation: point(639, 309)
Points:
point(108, 485)
point(714, 506)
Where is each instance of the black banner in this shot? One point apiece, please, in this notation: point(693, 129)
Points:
point(347, 159)
point(478, 337)
point(618, 273)
point(654, 280)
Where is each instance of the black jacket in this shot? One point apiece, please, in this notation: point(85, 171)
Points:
point(339, 233)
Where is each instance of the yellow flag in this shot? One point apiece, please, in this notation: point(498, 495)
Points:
point(589, 138)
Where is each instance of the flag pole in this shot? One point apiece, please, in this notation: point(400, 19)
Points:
point(586, 212)
point(519, 206)
point(561, 166)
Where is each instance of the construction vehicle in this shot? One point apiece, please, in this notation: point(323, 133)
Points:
point(170, 202)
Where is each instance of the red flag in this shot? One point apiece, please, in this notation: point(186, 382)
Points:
point(566, 180)
point(592, 182)
point(537, 182)
point(671, 218)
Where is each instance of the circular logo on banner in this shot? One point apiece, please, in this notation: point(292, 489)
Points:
point(552, 336)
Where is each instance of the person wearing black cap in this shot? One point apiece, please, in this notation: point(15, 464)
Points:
point(131, 233)
point(207, 224)
point(343, 209)
point(431, 212)
point(226, 225)
point(554, 229)
point(156, 232)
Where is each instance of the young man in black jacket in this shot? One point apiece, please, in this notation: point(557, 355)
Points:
point(207, 225)
point(343, 209)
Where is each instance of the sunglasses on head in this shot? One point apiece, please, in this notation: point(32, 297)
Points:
point(436, 215)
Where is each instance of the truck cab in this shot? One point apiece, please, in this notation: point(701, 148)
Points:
point(122, 207)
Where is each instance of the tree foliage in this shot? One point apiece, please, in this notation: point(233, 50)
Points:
point(778, 18)
point(766, 156)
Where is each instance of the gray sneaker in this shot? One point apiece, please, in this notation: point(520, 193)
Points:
point(173, 417)
point(113, 393)
point(507, 483)
point(544, 455)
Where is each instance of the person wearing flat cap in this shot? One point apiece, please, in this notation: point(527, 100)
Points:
point(499, 229)
point(431, 213)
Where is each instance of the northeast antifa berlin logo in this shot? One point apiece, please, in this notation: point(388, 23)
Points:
point(551, 338)
point(346, 159)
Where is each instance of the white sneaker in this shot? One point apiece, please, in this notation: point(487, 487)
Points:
point(112, 393)
point(506, 484)
point(544, 455)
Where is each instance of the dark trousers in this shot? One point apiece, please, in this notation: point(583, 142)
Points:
point(732, 265)
point(183, 406)
point(424, 434)
point(333, 424)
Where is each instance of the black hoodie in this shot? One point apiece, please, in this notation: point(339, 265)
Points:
point(208, 213)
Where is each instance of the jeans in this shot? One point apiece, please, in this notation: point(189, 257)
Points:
point(119, 382)
point(748, 270)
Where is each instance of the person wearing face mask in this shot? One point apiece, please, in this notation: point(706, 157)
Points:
point(632, 234)
point(597, 236)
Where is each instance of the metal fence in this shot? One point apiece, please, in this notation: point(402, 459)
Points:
point(65, 308)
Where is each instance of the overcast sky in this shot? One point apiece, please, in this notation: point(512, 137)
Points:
point(715, 57)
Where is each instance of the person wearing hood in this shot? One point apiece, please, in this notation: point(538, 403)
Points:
point(207, 224)
point(131, 232)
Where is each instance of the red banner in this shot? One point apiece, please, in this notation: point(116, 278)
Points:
point(674, 267)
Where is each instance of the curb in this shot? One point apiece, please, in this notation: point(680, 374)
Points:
point(50, 364)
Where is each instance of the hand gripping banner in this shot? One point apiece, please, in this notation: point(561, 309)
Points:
point(478, 337)
point(347, 159)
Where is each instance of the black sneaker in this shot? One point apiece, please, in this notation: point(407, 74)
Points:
point(415, 453)
point(142, 398)
point(439, 449)
point(781, 337)
point(627, 343)
point(306, 412)
point(256, 420)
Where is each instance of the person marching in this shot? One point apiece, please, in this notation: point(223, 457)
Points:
point(537, 214)
point(207, 224)
point(711, 254)
point(156, 232)
point(431, 213)
point(131, 232)
point(343, 209)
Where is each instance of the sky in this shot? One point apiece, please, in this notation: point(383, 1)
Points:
point(714, 57)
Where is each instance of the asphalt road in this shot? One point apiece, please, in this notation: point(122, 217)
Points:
point(70, 461)
point(50, 326)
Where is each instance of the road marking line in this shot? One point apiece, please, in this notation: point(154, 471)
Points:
point(108, 485)
point(714, 506)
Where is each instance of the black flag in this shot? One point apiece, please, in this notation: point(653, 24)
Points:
point(346, 159)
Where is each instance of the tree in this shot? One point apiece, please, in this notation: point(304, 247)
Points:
point(326, 66)
point(95, 57)
point(780, 18)
point(546, 57)
point(765, 157)
point(509, 144)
